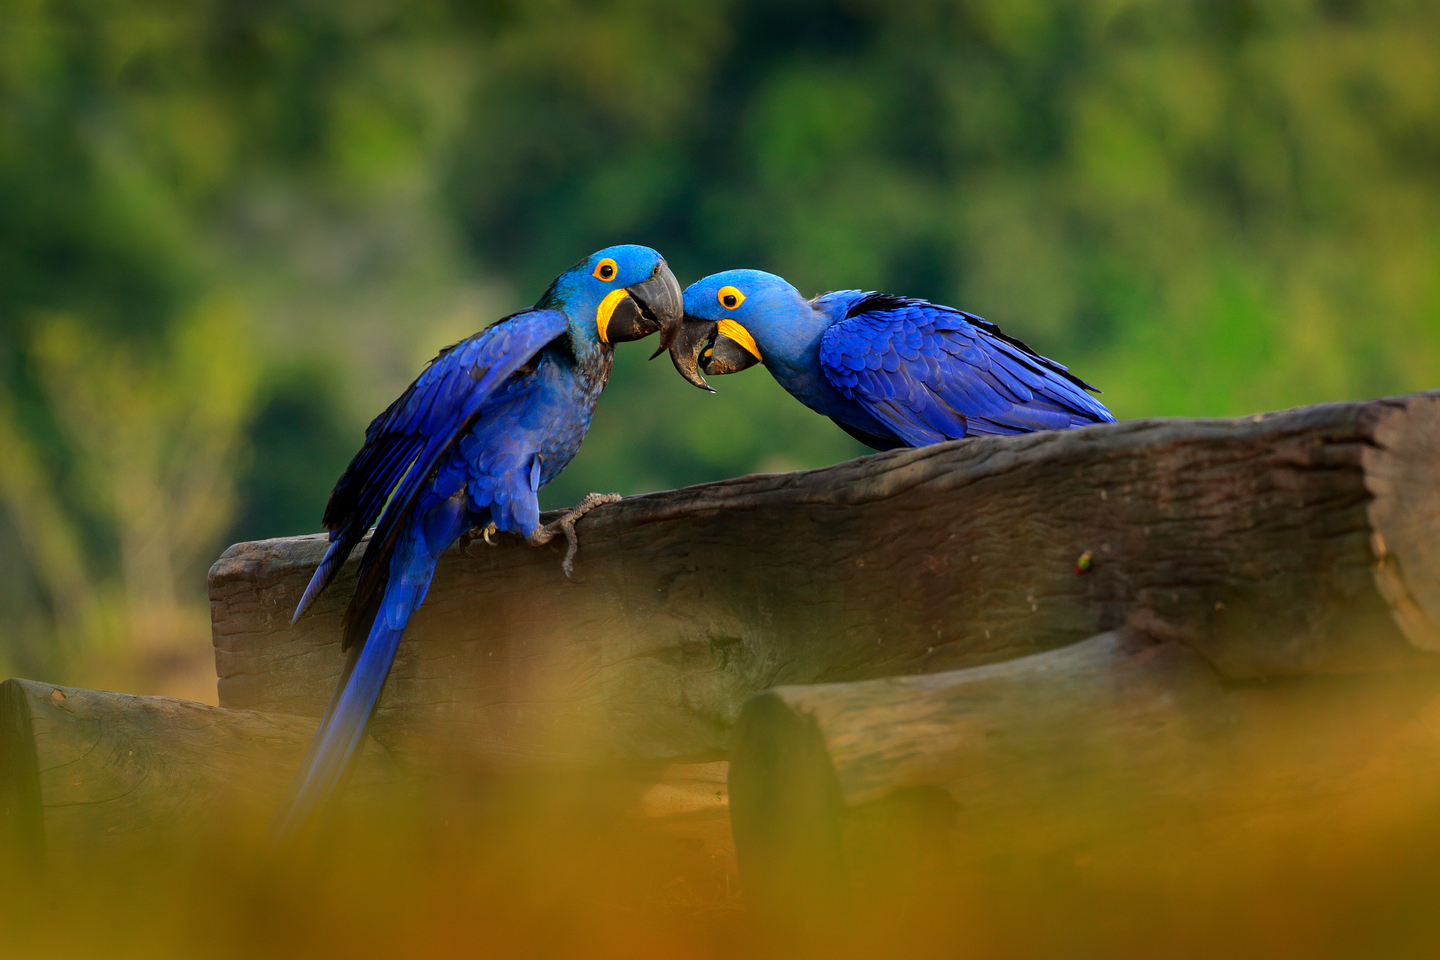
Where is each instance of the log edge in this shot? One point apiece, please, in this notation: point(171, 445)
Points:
point(22, 834)
point(1404, 512)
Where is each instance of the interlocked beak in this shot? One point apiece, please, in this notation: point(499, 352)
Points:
point(717, 347)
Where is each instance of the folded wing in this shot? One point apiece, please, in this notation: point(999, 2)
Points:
point(933, 373)
point(407, 443)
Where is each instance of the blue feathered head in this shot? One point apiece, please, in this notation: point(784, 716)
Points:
point(738, 318)
point(621, 293)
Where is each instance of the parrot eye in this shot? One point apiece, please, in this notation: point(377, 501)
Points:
point(605, 269)
point(730, 298)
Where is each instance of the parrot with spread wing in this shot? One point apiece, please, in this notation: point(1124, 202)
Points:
point(468, 445)
point(890, 371)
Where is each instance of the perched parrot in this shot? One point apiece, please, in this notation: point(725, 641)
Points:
point(891, 371)
point(469, 444)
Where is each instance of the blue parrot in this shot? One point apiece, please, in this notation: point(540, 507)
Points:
point(891, 371)
point(489, 422)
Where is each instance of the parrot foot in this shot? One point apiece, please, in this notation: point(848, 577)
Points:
point(478, 533)
point(566, 525)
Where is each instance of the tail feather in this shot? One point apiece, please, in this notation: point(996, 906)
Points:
point(330, 564)
point(343, 730)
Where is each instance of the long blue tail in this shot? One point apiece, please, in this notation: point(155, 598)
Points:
point(342, 731)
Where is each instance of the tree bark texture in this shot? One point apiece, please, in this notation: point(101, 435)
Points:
point(1285, 544)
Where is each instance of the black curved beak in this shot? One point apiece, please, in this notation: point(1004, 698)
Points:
point(691, 348)
point(653, 304)
point(701, 346)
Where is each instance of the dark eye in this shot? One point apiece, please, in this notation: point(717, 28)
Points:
point(730, 298)
point(605, 269)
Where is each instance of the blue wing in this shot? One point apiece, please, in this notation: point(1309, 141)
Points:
point(404, 445)
point(404, 448)
point(933, 373)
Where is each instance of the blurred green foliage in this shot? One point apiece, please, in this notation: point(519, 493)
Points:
point(231, 232)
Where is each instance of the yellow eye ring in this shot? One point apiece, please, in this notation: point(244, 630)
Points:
point(730, 298)
point(605, 270)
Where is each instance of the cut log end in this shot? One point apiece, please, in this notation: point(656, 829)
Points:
point(21, 819)
point(1402, 473)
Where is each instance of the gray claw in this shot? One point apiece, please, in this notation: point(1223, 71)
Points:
point(566, 525)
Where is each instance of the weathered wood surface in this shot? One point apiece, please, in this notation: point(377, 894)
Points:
point(976, 726)
point(88, 773)
point(90, 769)
point(1118, 747)
point(1252, 542)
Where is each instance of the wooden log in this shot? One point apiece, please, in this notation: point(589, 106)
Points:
point(1284, 544)
point(1110, 750)
point(898, 732)
point(803, 756)
point(88, 773)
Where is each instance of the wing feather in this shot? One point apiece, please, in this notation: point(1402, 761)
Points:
point(933, 373)
point(406, 443)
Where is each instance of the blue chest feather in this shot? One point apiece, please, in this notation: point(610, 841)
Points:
point(527, 432)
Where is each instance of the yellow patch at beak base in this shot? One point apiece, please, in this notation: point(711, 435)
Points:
point(606, 310)
point(733, 330)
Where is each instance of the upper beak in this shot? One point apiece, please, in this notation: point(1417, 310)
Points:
point(653, 304)
point(696, 336)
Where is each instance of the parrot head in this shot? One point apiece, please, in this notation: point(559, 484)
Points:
point(621, 293)
point(737, 319)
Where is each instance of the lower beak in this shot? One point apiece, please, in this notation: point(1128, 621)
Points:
point(696, 337)
point(653, 304)
point(701, 346)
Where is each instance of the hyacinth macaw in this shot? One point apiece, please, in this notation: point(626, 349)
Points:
point(891, 371)
point(469, 444)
